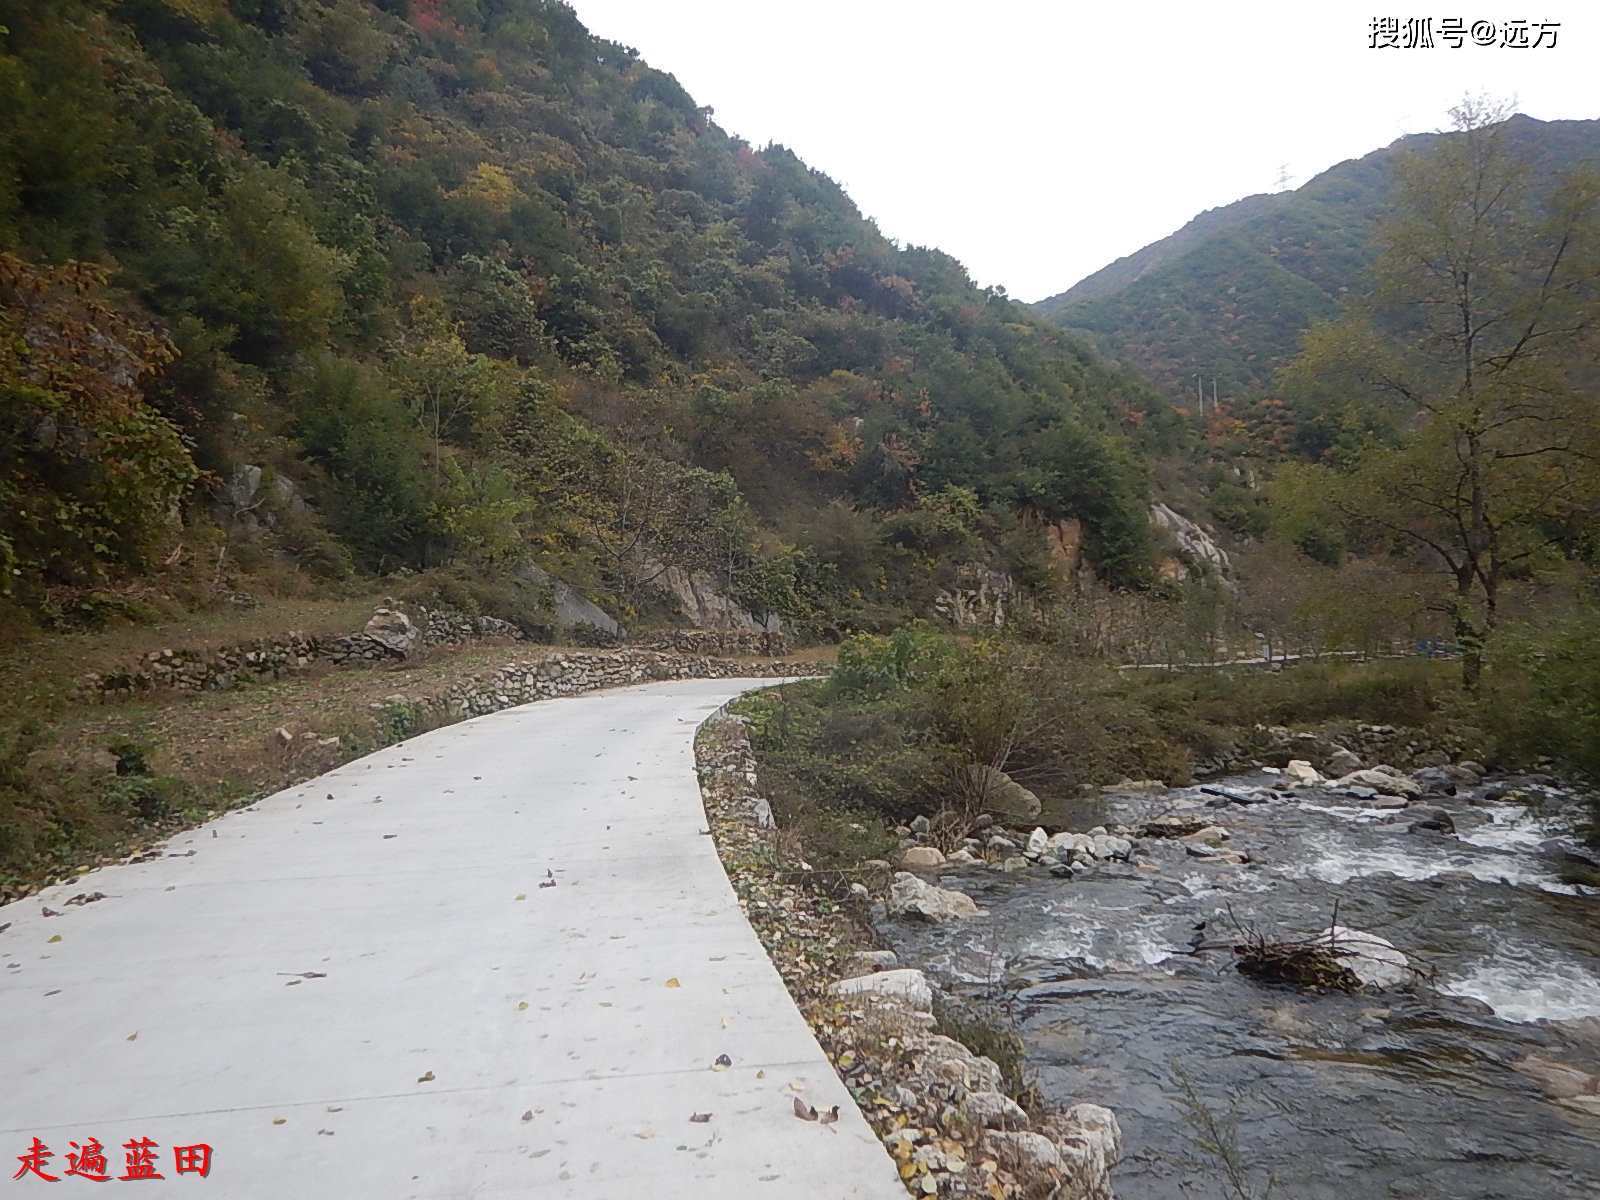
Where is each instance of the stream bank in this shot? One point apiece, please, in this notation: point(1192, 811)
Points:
point(1481, 1082)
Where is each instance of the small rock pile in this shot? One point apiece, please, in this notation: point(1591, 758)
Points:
point(940, 1109)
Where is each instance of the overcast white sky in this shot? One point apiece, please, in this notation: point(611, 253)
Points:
point(1038, 141)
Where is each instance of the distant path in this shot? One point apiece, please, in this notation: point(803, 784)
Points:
point(454, 997)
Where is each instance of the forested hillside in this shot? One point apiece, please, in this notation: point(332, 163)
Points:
point(1230, 296)
point(331, 287)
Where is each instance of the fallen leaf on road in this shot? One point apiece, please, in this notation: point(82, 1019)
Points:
point(701, 1118)
point(90, 898)
point(279, 1120)
point(829, 1117)
point(522, 895)
point(54, 938)
point(425, 1077)
point(306, 974)
point(647, 1134)
point(522, 1005)
point(132, 1037)
point(673, 982)
point(803, 1110)
point(722, 1063)
point(335, 1108)
point(528, 1116)
point(46, 911)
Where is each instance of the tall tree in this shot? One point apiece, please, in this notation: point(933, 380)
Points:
point(1477, 337)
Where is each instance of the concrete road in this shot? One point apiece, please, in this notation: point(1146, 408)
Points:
point(359, 988)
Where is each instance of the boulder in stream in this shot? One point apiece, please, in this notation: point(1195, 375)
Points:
point(1435, 781)
point(1385, 780)
point(1376, 962)
point(1301, 773)
point(912, 897)
point(1429, 818)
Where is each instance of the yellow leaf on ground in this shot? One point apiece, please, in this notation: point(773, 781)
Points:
point(673, 982)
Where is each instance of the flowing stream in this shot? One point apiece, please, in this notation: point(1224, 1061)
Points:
point(1478, 1084)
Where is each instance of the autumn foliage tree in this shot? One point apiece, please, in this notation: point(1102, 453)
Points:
point(90, 474)
point(1478, 339)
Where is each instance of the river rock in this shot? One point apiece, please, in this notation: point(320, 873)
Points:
point(994, 1110)
point(1343, 762)
point(912, 897)
point(1429, 818)
point(920, 824)
point(1024, 1153)
point(866, 962)
point(1301, 773)
point(998, 793)
point(1038, 842)
point(954, 1063)
point(1216, 854)
point(921, 858)
point(1560, 1080)
point(1377, 963)
point(1232, 795)
point(1435, 781)
point(1385, 780)
point(905, 984)
point(393, 630)
point(1064, 845)
point(1108, 847)
point(1089, 1141)
point(1172, 826)
point(963, 857)
point(1477, 768)
point(1211, 835)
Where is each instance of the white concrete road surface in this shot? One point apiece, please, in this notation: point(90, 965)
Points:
point(358, 988)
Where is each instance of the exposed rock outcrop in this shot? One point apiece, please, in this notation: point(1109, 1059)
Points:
point(981, 595)
point(998, 793)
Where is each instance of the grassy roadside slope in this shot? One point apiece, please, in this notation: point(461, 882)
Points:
point(83, 781)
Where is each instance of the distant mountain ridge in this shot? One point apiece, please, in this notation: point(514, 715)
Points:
point(1230, 295)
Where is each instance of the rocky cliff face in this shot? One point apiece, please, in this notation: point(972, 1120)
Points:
point(1189, 546)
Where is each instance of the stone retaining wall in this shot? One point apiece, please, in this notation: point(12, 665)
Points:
point(714, 642)
point(564, 674)
point(265, 660)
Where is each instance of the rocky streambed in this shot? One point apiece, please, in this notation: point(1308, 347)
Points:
point(1472, 1074)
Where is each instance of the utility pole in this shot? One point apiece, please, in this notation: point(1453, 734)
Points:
point(1200, 393)
point(1213, 393)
